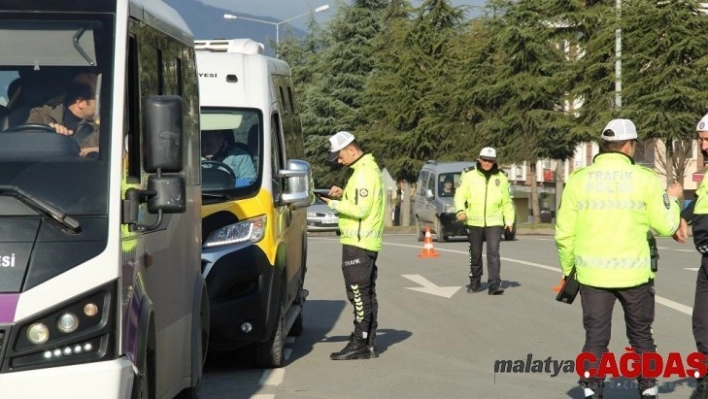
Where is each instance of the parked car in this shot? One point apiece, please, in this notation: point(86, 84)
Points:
point(434, 201)
point(320, 217)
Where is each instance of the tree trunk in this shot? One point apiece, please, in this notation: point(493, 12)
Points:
point(406, 203)
point(535, 209)
point(560, 168)
point(669, 162)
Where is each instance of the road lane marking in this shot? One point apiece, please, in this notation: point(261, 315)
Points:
point(681, 308)
point(272, 377)
point(428, 287)
point(263, 396)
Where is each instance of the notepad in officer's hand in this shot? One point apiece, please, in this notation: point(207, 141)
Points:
point(569, 290)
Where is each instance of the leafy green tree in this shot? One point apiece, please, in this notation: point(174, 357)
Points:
point(333, 96)
point(524, 95)
point(664, 65)
point(404, 97)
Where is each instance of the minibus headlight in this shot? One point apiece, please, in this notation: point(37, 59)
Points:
point(68, 322)
point(251, 230)
point(74, 332)
point(37, 333)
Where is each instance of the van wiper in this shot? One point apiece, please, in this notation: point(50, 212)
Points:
point(220, 196)
point(37, 204)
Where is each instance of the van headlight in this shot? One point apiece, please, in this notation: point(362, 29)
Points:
point(251, 230)
point(76, 332)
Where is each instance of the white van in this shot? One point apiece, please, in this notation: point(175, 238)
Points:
point(255, 190)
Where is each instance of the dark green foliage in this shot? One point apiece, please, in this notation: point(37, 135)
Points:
point(533, 78)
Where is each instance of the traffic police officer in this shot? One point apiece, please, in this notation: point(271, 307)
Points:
point(696, 214)
point(483, 203)
point(601, 230)
point(361, 212)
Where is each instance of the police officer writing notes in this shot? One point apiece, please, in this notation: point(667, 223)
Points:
point(697, 215)
point(483, 203)
point(361, 221)
point(601, 230)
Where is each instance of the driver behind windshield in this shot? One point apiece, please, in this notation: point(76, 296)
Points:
point(74, 116)
point(215, 148)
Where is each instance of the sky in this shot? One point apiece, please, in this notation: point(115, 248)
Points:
point(284, 9)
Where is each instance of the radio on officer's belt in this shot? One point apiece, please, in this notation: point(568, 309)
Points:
point(570, 289)
point(653, 251)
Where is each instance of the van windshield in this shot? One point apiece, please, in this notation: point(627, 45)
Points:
point(448, 183)
point(231, 150)
point(56, 71)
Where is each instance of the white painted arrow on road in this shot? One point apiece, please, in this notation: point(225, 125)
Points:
point(693, 269)
point(429, 287)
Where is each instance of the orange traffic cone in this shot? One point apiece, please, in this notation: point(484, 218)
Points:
point(559, 286)
point(428, 250)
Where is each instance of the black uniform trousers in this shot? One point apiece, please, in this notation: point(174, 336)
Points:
point(360, 272)
point(476, 236)
point(700, 308)
point(638, 305)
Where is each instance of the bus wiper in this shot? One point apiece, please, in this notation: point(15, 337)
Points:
point(37, 204)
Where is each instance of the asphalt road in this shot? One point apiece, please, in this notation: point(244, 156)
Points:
point(437, 341)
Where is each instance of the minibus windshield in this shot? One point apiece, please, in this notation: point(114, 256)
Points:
point(55, 88)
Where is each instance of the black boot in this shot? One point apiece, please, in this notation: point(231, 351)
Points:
point(474, 286)
point(355, 349)
point(592, 391)
point(495, 289)
point(649, 393)
point(373, 352)
point(701, 391)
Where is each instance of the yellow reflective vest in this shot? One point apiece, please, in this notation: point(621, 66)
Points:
point(605, 213)
point(361, 209)
point(696, 214)
point(485, 198)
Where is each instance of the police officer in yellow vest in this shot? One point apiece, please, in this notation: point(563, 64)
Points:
point(483, 203)
point(361, 210)
point(601, 230)
point(696, 214)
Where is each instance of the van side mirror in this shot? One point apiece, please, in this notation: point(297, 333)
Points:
point(163, 134)
point(299, 185)
point(429, 194)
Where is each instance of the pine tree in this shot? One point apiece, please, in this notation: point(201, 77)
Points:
point(524, 96)
point(334, 95)
point(665, 56)
point(405, 98)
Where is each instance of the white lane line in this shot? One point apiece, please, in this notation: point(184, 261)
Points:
point(659, 299)
point(263, 396)
point(674, 305)
point(693, 269)
point(272, 377)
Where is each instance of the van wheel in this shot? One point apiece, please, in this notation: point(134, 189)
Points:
point(419, 232)
point(299, 325)
point(439, 231)
point(270, 354)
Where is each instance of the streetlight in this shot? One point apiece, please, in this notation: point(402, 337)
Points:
point(277, 24)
